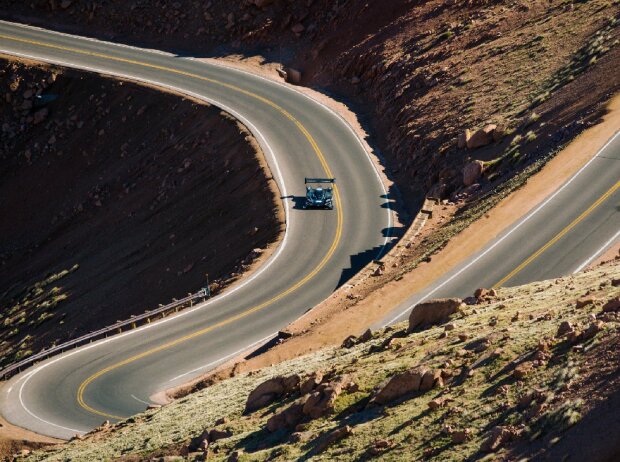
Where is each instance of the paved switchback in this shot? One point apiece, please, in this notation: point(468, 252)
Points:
point(114, 378)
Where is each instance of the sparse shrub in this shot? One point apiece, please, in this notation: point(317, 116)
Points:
point(530, 136)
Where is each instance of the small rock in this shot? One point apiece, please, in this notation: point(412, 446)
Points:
point(366, 336)
point(612, 305)
point(482, 137)
point(499, 436)
point(592, 330)
point(463, 138)
point(564, 328)
point(429, 379)
point(293, 75)
point(301, 437)
point(268, 391)
point(522, 370)
point(349, 342)
point(460, 436)
point(585, 301)
point(215, 435)
point(435, 403)
point(333, 437)
point(298, 28)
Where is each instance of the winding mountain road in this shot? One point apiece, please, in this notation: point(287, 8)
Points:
point(113, 378)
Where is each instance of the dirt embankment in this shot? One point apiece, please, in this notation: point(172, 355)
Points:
point(419, 72)
point(116, 198)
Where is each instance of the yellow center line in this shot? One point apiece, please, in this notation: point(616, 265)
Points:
point(559, 236)
point(300, 283)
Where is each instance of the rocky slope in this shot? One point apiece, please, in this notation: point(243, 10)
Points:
point(530, 74)
point(116, 198)
point(524, 372)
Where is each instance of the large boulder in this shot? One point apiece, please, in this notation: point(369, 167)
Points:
point(482, 137)
point(399, 385)
point(270, 390)
point(472, 172)
point(434, 312)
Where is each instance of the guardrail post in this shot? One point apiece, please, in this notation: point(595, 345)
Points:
point(133, 325)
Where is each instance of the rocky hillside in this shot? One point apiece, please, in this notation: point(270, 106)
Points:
point(519, 373)
point(116, 198)
point(520, 78)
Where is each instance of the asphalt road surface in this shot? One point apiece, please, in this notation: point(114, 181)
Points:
point(560, 236)
point(113, 378)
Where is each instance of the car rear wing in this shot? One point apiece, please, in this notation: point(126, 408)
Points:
point(320, 180)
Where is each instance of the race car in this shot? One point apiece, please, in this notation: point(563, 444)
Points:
point(318, 196)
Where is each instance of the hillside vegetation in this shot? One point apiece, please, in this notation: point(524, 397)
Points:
point(525, 372)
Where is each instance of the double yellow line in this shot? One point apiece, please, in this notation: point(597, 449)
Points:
point(559, 236)
point(297, 285)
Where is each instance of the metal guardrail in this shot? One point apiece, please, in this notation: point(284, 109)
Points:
point(116, 328)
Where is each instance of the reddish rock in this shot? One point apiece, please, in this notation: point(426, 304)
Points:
point(216, 434)
point(499, 436)
point(268, 391)
point(472, 172)
point(564, 328)
point(311, 382)
point(482, 137)
point(463, 138)
point(429, 379)
point(399, 385)
point(298, 28)
point(586, 300)
point(522, 370)
point(333, 437)
point(592, 330)
point(287, 418)
point(434, 312)
point(612, 305)
point(460, 436)
point(321, 401)
point(435, 403)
